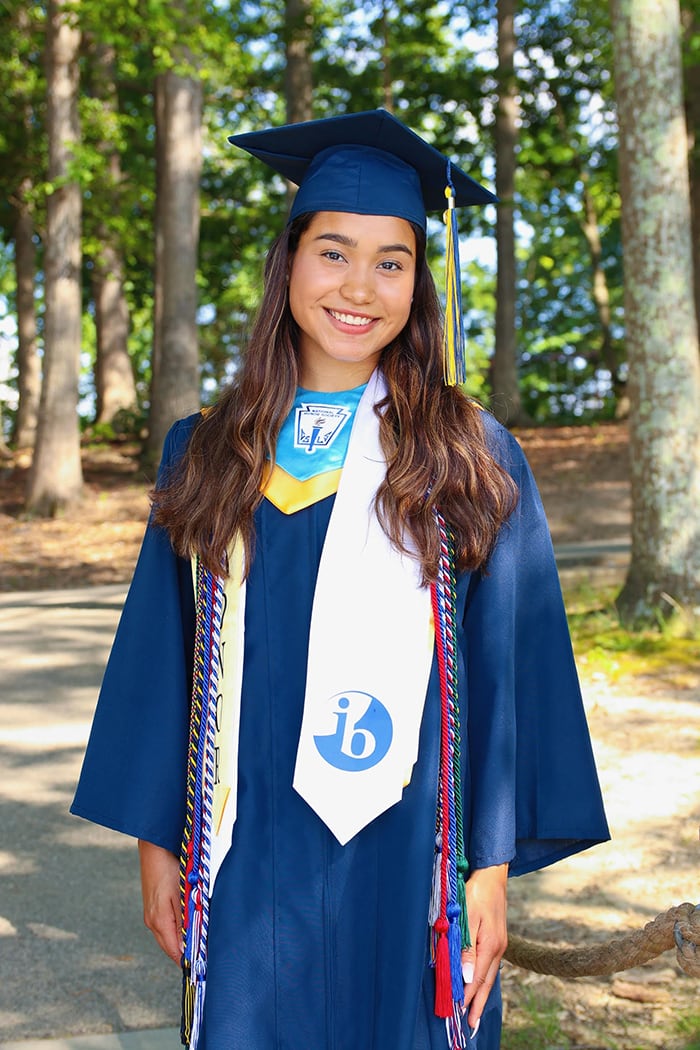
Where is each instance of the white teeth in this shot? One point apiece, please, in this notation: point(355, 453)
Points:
point(350, 318)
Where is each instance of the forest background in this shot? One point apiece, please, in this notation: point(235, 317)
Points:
point(132, 234)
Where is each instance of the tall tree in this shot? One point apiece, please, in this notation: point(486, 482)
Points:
point(662, 336)
point(691, 19)
point(298, 78)
point(175, 369)
point(506, 402)
point(56, 476)
point(298, 82)
point(22, 169)
point(28, 366)
point(115, 388)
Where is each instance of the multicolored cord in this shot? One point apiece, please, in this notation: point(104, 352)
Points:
point(196, 842)
point(450, 930)
point(448, 908)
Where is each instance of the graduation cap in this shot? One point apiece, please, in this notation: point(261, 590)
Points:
point(370, 163)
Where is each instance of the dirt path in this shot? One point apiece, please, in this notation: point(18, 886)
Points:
point(581, 471)
point(647, 742)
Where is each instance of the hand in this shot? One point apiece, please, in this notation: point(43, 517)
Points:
point(160, 889)
point(486, 910)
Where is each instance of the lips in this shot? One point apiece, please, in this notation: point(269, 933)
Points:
point(355, 320)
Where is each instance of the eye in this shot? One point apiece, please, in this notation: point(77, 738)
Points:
point(333, 255)
point(390, 265)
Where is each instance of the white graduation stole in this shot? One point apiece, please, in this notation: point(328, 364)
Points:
point(370, 653)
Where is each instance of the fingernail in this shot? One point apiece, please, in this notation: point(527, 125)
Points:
point(474, 1030)
point(467, 972)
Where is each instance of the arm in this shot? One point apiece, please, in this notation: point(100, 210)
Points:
point(133, 772)
point(532, 789)
point(160, 889)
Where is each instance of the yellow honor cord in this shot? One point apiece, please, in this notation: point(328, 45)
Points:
point(454, 371)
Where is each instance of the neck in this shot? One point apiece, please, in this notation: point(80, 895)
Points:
point(330, 380)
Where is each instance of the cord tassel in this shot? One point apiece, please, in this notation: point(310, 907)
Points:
point(454, 938)
point(456, 1039)
point(434, 913)
point(187, 1008)
point(443, 980)
point(462, 869)
point(454, 366)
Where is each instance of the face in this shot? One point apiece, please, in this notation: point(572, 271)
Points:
point(350, 291)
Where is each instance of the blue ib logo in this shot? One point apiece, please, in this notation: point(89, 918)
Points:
point(362, 734)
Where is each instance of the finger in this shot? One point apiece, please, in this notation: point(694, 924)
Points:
point(174, 937)
point(168, 939)
point(486, 958)
point(478, 1001)
point(165, 926)
point(472, 990)
point(468, 960)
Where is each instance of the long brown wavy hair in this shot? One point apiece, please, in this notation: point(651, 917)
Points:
point(432, 437)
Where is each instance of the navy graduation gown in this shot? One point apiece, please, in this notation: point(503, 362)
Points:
point(313, 945)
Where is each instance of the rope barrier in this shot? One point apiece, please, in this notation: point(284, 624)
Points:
point(678, 927)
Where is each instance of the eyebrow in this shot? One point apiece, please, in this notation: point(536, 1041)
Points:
point(349, 242)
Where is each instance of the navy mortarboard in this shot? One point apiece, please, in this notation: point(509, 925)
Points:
point(372, 164)
point(368, 163)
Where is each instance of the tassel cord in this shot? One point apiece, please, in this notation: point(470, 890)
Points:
point(450, 931)
point(449, 607)
point(196, 846)
point(454, 365)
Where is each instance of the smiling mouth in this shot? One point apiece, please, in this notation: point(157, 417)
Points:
point(352, 319)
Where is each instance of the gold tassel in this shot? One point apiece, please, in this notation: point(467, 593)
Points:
point(454, 367)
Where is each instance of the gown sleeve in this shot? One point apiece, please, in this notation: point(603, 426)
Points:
point(535, 796)
point(133, 773)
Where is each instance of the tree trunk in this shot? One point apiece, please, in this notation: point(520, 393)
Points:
point(158, 226)
point(662, 338)
point(599, 285)
point(298, 82)
point(175, 384)
point(114, 377)
point(56, 478)
point(505, 392)
point(387, 77)
point(28, 366)
point(692, 100)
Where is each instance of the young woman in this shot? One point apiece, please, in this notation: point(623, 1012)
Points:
point(349, 560)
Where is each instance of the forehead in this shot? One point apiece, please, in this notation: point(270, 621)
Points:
point(371, 231)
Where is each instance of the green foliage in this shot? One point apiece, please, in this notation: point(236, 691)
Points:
point(534, 1024)
point(433, 63)
point(127, 425)
point(568, 194)
point(688, 1027)
point(22, 108)
point(604, 646)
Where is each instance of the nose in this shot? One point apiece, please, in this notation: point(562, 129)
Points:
point(358, 286)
